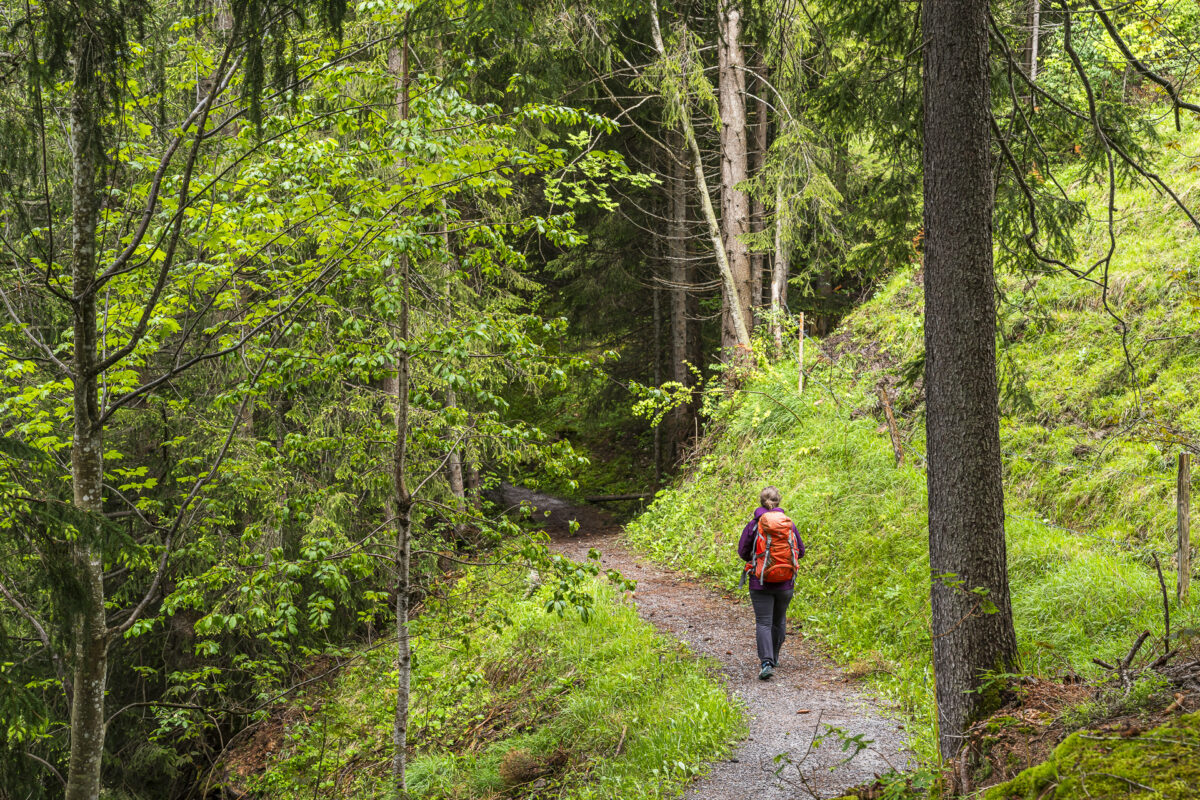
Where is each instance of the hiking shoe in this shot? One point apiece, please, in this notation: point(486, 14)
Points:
point(767, 671)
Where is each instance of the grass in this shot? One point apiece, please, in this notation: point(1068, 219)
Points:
point(1089, 462)
point(511, 701)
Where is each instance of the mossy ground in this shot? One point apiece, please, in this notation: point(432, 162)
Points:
point(510, 701)
point(1163, 763)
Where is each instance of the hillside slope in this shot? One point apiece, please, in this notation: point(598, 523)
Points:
point(1090, 448)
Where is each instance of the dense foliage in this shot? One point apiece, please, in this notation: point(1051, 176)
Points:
point(236, 236)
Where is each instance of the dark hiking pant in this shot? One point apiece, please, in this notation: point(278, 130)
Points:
point(770, 620)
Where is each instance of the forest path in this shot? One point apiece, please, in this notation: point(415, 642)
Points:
point(721, 627)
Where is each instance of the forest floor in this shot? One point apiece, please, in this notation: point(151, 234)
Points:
point(784, 714)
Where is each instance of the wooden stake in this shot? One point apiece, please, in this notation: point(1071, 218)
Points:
point(800, 358)
point(1183, 507)
point(892, 430)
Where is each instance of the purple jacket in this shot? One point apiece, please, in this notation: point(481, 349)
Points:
point(746, 548)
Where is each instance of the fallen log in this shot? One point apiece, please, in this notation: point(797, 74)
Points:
point(612, 498)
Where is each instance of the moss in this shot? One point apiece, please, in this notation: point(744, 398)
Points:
point(1163, 763)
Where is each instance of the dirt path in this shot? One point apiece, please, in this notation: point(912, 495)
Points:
point(720, 627)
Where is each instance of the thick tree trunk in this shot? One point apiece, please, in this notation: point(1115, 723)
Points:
point(972, 615)
point(90, 629)
point(677, 255)
point(735, 202)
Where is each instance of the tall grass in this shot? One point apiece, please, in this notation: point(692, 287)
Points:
point(511, 701)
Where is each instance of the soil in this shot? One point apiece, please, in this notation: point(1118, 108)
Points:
point(807, 693)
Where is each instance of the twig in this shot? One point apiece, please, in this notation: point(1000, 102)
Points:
point(1166, 608)
point(1133, 651)
point(1127, 780)
point(1163, 659)
point(773, 400)
point(621, 741)
point(48, 766)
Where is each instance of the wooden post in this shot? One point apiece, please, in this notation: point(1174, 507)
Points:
point(800, 358)
point(891, 422)
point(1183, 507)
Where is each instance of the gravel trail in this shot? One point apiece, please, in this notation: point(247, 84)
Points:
point(807, 692)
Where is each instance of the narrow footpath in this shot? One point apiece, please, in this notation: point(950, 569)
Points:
point(807, 693)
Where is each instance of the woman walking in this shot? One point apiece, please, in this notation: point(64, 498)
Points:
point(772, 548)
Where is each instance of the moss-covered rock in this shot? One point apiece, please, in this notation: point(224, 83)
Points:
point(1161, 763)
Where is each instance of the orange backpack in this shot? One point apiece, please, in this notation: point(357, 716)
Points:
point(776, 555)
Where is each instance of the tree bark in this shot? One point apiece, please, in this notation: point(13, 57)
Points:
point(966, 499)
point(779, 274)
point(658, 379)
point(730, 295)
point(90, 627)
point(1031, 50)
point(404, 505)
point(454, 465)
point(735, 202)
point(404, 500)
point(758, 211)
point(454, 460)
point(677, 252)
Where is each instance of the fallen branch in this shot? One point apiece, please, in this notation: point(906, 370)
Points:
point(612, 498)
point(1133, 651)
point(891, 423)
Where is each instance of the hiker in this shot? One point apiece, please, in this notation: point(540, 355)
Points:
point(771, 547)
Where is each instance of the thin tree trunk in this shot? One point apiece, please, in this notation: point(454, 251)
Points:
point(90, 629)
point(680, 278)
point(735, 202)
point(454, 465)
point(403, 559)
point(779, 273)
point(758, 211)
point(972, 616)
point(1035, 24)
point(658, 449)
point(730, 295)
point(403, 500)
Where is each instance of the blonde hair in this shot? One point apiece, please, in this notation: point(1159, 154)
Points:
point(769, 497)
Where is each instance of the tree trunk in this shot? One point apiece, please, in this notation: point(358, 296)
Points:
point(730, 295)
point(1031, 49)
point(658, 443)
point(972, 631)
point(403, 500)
point(403, 558)
point(454, 466)
point(677, 253)
point(90, 629)
point(735, 202)
point(779, 274)
point(758, 211)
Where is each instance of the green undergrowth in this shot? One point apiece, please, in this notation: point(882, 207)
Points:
point(512, 701)
point(1090, 448)
point(1160, 764)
